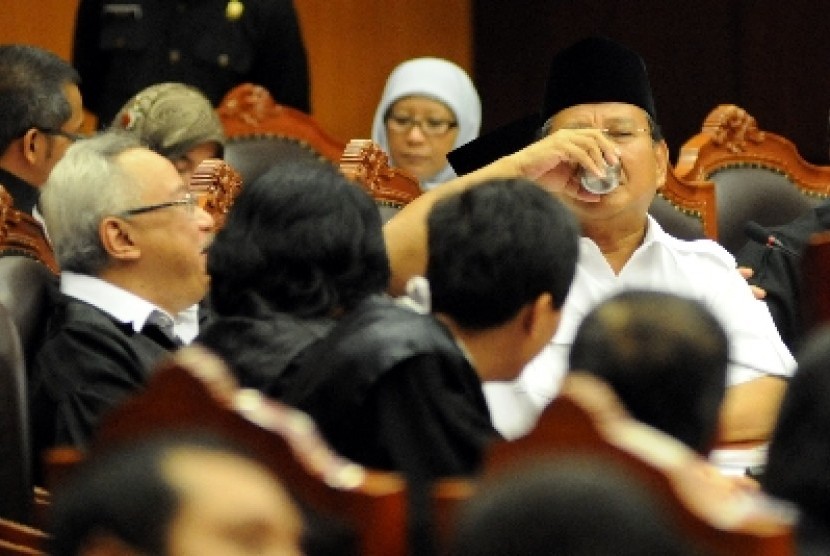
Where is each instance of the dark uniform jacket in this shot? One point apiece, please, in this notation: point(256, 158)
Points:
point(122, 46)
point(390, 389)
point(779, 273)
point(87, 364)
point(263, 353)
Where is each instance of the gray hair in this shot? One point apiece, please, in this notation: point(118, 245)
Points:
point(85, 186)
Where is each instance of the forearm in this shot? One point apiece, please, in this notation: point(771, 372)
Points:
point(750, 410)
point(406, 232)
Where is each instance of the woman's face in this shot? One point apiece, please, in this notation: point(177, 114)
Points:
point(421, 132)
point(189, 161)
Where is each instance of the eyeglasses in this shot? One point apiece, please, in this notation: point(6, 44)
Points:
point(189, 201)
point(618, 134)
point(430, 127)
point(61, 133)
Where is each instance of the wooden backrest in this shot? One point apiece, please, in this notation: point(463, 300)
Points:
point(587, 418)
point(686, 209)
point(194, 390)
point(365, 163)
point(17, 538)
point(16, 488)
point(216, 184)
point(758, 175)
point(256, 129)
point(20, 234)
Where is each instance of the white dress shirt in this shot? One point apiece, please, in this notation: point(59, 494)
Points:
point(701, 270)
point(125, 306)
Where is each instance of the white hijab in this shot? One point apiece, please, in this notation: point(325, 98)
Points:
point(438, 79)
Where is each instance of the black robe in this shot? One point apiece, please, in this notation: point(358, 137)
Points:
point(389, 388)
point(263, 353)
point(779, 273)
point(87, 364)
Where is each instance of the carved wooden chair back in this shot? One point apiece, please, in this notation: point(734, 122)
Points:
point(587, 418)
point(256, 128)
point(686, 209)
point(758, 175)
point(194, 390)
point(365, 163)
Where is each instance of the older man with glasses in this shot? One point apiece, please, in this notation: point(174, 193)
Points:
point(131, 242)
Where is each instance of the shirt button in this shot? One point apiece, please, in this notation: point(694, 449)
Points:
point(223, 60)
point(175, 56)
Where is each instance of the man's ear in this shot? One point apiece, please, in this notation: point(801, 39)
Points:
point(661, 152)
point(540, 319)
point(29, 145)
point(118, 239)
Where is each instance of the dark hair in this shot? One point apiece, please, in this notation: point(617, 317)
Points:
point(574, 506)
point(300, 239)
point(664, 355)
point(31, 91)
point(799, 451)
point(124, 492)
point(495, 248)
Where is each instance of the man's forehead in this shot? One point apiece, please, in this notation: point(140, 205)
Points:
point(601, 112)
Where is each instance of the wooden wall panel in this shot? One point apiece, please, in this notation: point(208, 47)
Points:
point(352, 46)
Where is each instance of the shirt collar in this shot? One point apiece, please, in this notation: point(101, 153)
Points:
point(125, 306)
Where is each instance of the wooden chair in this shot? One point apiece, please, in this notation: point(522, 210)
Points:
point(20, 234)
point(365, 163)
point(16, 487)
point(587, 418)
point(216, 183)
point(194, 390)
point(256, 128)
point(686, 209)
point(758, 175)
point(19, 539)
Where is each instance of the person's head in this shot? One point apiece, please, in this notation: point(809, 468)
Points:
point(429, 107)
point(567, 507)
point(601, 84)
point(121, 212)
point(177, 121)
point(502, 255)
point(299, 239)
point(799, 451)
point(664, 355)
point(41, 111)
point(172, 496)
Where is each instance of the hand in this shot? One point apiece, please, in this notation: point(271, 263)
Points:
point(554, 162)
point(747, 273)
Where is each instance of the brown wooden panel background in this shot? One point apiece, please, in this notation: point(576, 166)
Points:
point(769, 56)
point(352, 46)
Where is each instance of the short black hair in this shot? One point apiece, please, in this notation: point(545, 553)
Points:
point(799, 450)
point(664, 355)
point(496, 247)
point(300, 239)
point(31, 91)
point(124, 492)
point(570, 506)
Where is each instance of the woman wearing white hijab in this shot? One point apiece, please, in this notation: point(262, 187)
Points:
point(428, 108)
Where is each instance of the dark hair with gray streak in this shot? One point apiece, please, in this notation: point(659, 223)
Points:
point(32, 92)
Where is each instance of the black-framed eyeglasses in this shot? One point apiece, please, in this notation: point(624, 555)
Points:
point(432, 127)
point(61, 133)
point(189, 202)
